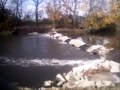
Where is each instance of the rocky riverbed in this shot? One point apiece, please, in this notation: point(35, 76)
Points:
point(97, 73)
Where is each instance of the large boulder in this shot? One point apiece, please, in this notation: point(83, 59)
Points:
point(60, 78)
point(47, 83)
point(100, 50)
point(57, 35)
point(63, 38)
point(76, 42)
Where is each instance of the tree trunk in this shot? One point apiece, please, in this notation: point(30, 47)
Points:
point(74, 20)
point(36, 12)
point(2, 12)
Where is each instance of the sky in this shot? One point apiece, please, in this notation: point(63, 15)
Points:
point(29, 7)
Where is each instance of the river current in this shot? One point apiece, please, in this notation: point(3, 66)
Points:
point(30, 60)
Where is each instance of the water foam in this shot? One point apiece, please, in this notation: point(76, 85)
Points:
point(46, 35)
point(42, 62)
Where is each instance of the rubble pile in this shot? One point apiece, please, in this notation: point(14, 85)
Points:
point(80, 76)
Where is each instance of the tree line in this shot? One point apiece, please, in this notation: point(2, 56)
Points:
point(97, 14)
point(13, 16)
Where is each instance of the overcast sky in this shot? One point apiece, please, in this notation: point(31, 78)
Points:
point(29, 6)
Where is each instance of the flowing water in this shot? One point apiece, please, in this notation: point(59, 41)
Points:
point(30, 60)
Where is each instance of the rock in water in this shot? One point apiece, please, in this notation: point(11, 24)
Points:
point(99, 49)
point(76, 42)
point(47, 83)
point(34, 33)
point(60, 79)
point(67, 76)
point(115, 67)
point(63, 38)
point(57, 35)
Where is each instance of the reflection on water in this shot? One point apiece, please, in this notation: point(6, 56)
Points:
point(39, 47)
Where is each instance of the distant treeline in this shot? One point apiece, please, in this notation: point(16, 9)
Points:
point(94, 20)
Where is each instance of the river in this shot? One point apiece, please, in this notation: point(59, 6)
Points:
point(30, 60)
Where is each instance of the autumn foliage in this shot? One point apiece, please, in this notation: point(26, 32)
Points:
point(98, 20)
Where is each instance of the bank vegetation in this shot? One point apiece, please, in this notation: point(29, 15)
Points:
point(65, 14)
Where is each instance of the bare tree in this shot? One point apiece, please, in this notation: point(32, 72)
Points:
point(28, 15)
point(2, 9)
point(37, 3)
point(2, 3)
point(98, 5)
point(18, 7)
point(73, 6)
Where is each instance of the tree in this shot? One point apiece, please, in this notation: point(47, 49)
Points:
point(2, 9)
point(53, 11)
point(2, 3)
point(115, 8)
point(100, 19)
point(18, 7)
point(37, 3)
point(73, 7)
point(28, 16)
point(97, 5)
